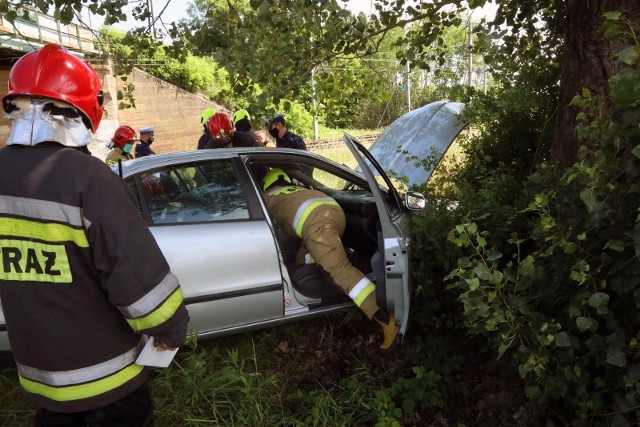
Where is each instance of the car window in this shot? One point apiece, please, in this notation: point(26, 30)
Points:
point(330, 180)
point(196, 192)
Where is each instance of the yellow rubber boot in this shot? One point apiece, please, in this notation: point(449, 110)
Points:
point(390, 331)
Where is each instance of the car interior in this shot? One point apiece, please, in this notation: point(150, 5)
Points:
point(361, 239)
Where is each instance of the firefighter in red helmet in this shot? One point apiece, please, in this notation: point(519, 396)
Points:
point(87, 277)
point(121, 144)
point(221, 129)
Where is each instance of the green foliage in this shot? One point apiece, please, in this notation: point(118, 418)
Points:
point(560, 297)
point(189, 72)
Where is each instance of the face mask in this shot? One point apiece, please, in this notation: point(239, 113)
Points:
point(127, 148)
point(273, 132)
point(150, 141)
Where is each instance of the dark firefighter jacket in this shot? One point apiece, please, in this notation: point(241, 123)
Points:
point(81, 277)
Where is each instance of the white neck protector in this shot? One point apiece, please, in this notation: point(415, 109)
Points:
point(31, 125)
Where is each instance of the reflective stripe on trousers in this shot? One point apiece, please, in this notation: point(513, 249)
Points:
point(321, 238)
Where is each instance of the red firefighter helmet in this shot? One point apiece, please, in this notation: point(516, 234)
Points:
point(220, 126)
point(54, 73)
point(122, 135)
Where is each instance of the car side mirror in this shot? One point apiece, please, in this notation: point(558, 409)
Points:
point(415, 201)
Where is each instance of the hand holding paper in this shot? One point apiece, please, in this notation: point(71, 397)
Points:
point(152, 355)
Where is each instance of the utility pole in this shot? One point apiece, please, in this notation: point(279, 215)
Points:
point(470, 58)
point(408, 87)
point(313, 98)
point(152, 20)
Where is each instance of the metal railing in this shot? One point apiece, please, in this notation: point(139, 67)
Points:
point(337, 142)
point(41, 28)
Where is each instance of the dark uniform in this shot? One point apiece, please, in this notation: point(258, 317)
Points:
point(291, 140)
point(204, 139)
point(319, 221)
point(143, 149)
point(244, 136)
point(81, 278)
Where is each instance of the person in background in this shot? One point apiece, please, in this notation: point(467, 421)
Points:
point(262, 139)
point(207, 113)
point(284, 137)
point(120, 145)
point(146, 139)
point(318, 220)
point(221, 130)
point(84, 277)
point(243, 135)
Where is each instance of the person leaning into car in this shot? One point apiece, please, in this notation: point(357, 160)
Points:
point(82, 276)
point(318, 220)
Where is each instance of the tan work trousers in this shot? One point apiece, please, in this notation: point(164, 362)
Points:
point(321, 236)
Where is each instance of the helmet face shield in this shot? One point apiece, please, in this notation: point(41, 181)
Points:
point(36, 120)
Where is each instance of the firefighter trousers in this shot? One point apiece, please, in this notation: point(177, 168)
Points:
point(321, 235)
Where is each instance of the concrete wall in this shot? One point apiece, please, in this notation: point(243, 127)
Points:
point(175, 113)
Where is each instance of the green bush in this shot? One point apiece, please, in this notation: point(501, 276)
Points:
point(560, 299)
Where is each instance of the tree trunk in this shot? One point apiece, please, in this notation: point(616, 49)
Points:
point(586, 63)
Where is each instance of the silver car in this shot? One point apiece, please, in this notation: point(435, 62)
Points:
point(206, 211)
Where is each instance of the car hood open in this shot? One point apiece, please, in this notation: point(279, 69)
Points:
point(415, 143)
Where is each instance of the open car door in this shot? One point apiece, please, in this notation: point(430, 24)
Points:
point(410, 148)
point(392, 268)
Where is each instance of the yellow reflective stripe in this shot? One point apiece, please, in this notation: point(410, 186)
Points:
point(160, 315)
point(48, 232)
point(305, 210)
point(361, 291)
point(82, 391)
point(28, 261)
point(82, 375)
point(150, 301)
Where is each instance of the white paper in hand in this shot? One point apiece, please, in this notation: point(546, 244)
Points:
point(151, 356)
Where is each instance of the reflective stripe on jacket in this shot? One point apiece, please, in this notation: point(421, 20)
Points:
point(299, 202)
point(81, 277)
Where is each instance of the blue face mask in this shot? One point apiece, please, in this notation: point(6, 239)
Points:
point(127, 148)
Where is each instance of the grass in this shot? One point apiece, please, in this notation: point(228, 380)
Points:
point(302, 374)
